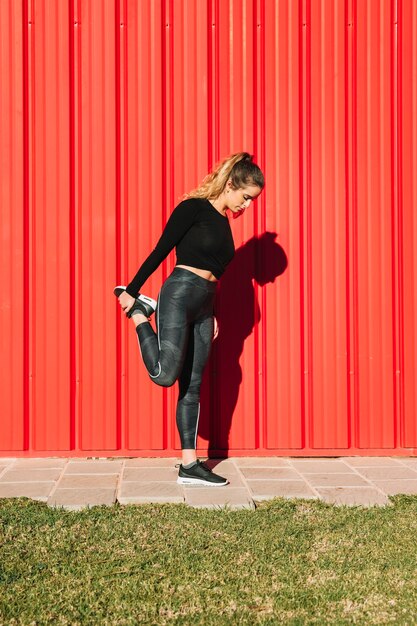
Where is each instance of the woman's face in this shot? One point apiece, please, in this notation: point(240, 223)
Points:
point(238, 200)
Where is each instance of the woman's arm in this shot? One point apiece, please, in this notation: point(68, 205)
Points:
point(180, 220)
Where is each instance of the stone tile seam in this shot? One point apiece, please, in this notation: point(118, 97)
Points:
point(28, 482)
point(4, 470)
point(409, 467)
point(86, 489)
point(7, 467)
point(268, 478)
point(296, 480)
point(178, 498)
point(245, 484)
point(58, 481)
point(349, 474)
point(369, 481)
point(347, 487)
point(306, 481)
point(381, 465)
point(91, 474)
point(394, 480)
point(168, 480)
point(260, 459)
point(172, 481)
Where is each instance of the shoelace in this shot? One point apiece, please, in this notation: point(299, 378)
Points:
point(200, 463)
point(203, 467)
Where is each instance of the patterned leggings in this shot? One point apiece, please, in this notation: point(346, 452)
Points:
point(181, 347)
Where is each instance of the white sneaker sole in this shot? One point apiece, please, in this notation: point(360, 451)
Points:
point(148, 300)
point(199, 481)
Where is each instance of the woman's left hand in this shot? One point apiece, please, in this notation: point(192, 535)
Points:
point(216, 328)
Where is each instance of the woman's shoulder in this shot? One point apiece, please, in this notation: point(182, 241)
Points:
point(193, 201)
point(192, 204)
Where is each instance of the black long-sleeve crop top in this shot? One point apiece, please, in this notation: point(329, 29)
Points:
point(202, 236)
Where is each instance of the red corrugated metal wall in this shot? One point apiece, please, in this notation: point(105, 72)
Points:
point(110, 111)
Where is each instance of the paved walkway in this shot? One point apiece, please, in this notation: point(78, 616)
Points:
point(74, 483)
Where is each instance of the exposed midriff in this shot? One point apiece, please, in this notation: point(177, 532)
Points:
point(203, 273)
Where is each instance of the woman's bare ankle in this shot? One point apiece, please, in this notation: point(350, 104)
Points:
point(188, 456)
point(139, 318)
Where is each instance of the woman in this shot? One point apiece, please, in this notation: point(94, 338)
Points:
point(199, 229)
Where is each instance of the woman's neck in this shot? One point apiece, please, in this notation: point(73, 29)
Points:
point(220, 204)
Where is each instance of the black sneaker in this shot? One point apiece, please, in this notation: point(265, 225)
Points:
point(143, 304)
point(199, 474)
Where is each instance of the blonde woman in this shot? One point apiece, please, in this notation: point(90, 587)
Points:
point(199, 229)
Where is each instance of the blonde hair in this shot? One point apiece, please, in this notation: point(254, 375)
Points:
point(239, 167)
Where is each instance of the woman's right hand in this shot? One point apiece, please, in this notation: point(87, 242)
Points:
point(126, 301)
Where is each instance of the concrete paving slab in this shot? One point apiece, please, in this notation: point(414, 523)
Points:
point(387, 473)
point(365, 496)
point(154, 479)
point(143, 474)
point(146, 492)
point(235, 480)
point(218, 497)
point(269, 473)
point(267, 489)
point(42, 463)
point(89, 459)
point(270, 461)
point(408, 462)
point(349, 479)
point(394, 487)
point(85, 481)
point(370, 461)
point(36, 491)
point(151, 462)
point(319, 466)
point(94, 467)
point(30, 475)
point(221, 467)
point(75, 499)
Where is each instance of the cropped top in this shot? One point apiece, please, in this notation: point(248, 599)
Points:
point(202, 237)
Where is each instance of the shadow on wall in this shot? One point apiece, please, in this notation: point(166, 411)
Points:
point(260, 260)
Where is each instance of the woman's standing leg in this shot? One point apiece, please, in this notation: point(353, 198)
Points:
point(188, 407)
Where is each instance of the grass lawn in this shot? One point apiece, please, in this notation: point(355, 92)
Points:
point(288, 562)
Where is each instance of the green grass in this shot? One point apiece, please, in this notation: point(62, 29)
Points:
point(287, 562)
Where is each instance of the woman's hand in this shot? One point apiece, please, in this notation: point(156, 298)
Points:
point(216, 328)
point(126, 301)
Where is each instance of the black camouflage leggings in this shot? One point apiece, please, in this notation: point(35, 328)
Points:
point(182, 344)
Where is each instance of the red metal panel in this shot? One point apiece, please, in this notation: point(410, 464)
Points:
point(235, 351)
point(324, 227)
point(143, 207)
point(113, 111)
point(49, 226)
point(186, 157)
point(96, 204)
point(280, 260)
point(372, 239)
point(14, 279)
point(406, 235)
